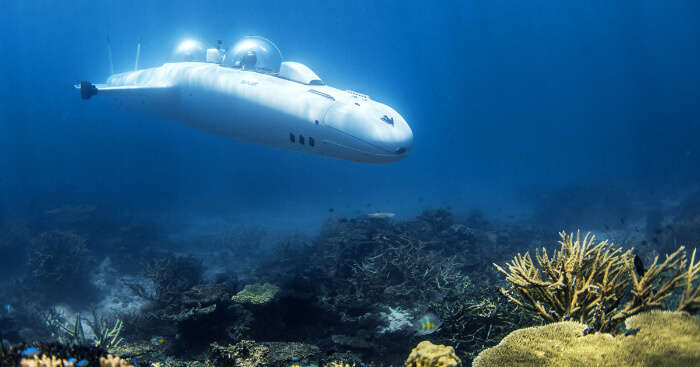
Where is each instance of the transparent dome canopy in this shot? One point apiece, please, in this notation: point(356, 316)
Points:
point(190, 50)
point(254, 53)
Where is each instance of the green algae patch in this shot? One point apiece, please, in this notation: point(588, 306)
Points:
point(656, 338)
point(256, 294)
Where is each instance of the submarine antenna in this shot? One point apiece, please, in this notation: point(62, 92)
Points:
point(109, 54)
point(138, 54)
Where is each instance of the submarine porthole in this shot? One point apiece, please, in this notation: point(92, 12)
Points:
point(301, 139)
point(291, 138)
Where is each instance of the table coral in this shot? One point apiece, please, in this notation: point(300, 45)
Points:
point(258, 294)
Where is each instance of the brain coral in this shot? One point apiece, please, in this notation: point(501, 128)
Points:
point(427, 354)
point(658, 338)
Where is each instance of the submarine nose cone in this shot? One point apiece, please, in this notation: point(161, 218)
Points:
point(404, 138)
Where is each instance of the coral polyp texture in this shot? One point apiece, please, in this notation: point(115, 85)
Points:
point(258, 294)
point(427, 354)
point(653, 338)
point(586, 281)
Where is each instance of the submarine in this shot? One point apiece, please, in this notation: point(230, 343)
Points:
point(248, 93)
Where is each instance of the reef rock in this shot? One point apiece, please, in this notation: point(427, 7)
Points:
point(655, 338)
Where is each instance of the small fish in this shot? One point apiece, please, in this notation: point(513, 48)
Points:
point(7, 308)
point(331, 210)
point(157, 341)
point(81, 363)
point(381, 215)
point(294, 359)
point(30, 352)
point(69, 362)
point(639, 265)
point(136, 363)
point(427, 324)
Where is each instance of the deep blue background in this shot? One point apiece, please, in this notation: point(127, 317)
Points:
point(502, 96)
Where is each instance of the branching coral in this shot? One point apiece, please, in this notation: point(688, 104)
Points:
point(586, 281)
point(580, 278)
point(400, 265)
point(690, 299)
point(72, 334)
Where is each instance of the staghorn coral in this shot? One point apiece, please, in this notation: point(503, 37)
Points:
point(256, 294)
point(586, 281)
point(690, 299)
point(427, 354)
point(655, 338)
point(105, 336)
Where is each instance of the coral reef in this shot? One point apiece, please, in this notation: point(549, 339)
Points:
point(256, 294)
point(44, 361)
point(427, 354)
point(587, 281)
point(103, 335)
point(171, 276)
point(59, 268)
point(248, 353)
point(12, 355)
point(654, 338)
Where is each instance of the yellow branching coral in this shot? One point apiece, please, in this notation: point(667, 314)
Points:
point(585, 281)
point(690, 300)
point(576, 281)
point(427, 354)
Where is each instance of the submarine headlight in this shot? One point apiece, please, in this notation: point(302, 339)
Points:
point(190, 50)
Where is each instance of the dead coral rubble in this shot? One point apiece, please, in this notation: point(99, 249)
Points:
point(587, 281)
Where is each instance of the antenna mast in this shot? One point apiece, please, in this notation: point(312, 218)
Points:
point(138, 54)
point(109, 54)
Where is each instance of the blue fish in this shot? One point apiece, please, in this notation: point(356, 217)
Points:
point(294, 359)
point(30, 352)
point(82, 363)
point(8, 308)
point(136, 363)
point(69, 362)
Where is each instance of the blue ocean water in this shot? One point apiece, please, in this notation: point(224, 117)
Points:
point(500, 96)
point(549, 113)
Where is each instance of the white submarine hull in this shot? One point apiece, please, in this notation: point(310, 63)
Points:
point(263, 109)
